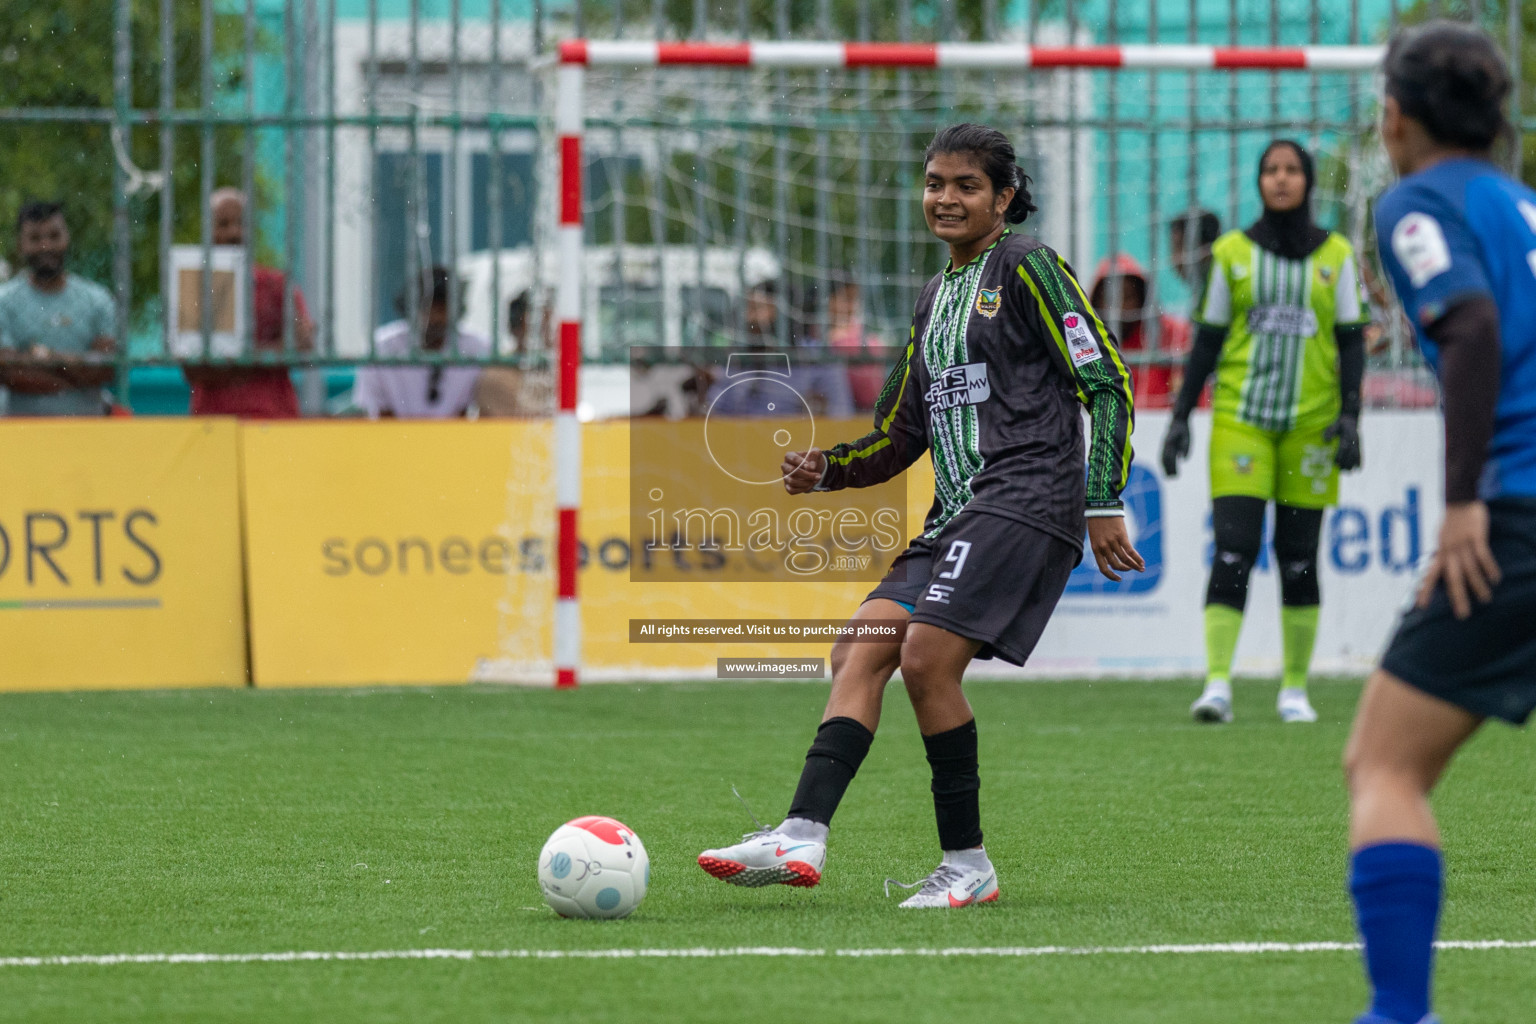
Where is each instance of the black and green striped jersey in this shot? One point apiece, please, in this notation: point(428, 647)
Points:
point(1003, 354)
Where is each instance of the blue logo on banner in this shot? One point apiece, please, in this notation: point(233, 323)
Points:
point(1143, 497)
point(1355, 538)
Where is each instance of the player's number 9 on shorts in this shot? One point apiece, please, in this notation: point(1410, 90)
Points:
point(958, 551)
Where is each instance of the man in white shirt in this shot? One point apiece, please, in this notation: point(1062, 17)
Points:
point(422, 392)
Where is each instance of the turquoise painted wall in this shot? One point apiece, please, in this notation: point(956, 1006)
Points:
point(1169, 155)
point(435, 9)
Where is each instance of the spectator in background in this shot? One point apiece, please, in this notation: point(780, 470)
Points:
point(56, 328)
point(847, 336)
point(822, 385)
point(1120, 297)
point(1190, 237)
point(431, 392)
point(251, 392)
point(521, 390)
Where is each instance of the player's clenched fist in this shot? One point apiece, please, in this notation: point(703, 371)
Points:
point(802, 470)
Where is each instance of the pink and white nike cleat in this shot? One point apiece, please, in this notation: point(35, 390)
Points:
point(950, 885)
point(766, 857)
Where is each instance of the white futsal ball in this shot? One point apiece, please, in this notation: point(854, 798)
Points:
point(594, 867)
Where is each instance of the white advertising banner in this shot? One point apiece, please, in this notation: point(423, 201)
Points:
point(1373, 544)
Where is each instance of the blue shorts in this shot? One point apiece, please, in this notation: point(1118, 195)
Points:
point(1485, 663)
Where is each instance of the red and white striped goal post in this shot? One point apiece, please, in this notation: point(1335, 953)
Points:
point(576, 55)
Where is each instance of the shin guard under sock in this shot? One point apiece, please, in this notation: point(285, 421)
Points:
point(1298, 635)
point(830, 764)
point(1396, 889)
point(1223, 623)
point(956, 786)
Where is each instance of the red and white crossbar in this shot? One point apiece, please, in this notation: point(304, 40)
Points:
point(576, 55)
point(999, 56)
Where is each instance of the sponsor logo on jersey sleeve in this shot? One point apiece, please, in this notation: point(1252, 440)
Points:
point(1081, 345)
point(967, 384)
point(1528, 211)
point(1419, 245)
point(989, 301)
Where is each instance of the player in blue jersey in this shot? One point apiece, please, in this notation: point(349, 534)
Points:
point(1458, 239)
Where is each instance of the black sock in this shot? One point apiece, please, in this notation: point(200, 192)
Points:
point(830, 764)
point(956, 786)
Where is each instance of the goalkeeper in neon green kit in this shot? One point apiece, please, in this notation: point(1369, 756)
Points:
point(1282, 325)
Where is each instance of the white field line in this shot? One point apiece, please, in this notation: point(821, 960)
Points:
point(703, 953)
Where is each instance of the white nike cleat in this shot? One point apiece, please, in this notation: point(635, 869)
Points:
point(1294, 706)
point(950, 885)
point(767, 857)
point(1214, 705)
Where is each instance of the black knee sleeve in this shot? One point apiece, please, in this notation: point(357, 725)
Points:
point(956, 786)
point(1239, 527)
point(1297, 531)
point(830, 765)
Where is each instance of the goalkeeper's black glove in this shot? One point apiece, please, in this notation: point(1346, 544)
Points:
point(1175, 445)
point(1346, 430)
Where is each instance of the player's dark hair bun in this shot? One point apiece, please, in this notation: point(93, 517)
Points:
point(995, 154)
point(1451, 78)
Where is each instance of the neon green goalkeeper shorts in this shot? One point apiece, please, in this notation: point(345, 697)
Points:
point(1294, 468)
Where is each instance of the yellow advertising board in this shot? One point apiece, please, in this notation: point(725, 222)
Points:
point(612, 592)
point(421, 552)
point(120, 554)
point(375, 551)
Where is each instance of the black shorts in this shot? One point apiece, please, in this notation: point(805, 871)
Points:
point(984, 577)
point(1485, 663)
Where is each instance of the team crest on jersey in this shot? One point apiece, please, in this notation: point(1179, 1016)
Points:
point(1080, 343)
point(989, 301)
point(1326, 273)
point(967, 384)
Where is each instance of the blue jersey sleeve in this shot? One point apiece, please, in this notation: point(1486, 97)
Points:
point(1429, 251)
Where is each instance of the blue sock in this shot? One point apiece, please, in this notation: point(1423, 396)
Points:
point(1396, 889)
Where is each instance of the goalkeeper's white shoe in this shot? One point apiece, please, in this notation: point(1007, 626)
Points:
point(950, 885)
point(1214, 704)
point(1294, 706)
point(767, 857)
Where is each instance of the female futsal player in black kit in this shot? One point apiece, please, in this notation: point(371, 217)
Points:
point(1005, 351)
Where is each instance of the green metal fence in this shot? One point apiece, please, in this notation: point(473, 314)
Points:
point(374, 138)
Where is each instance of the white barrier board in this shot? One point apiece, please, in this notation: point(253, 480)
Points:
point(1374, 542)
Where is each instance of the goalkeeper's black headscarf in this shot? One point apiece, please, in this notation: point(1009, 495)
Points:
point(1289, 234)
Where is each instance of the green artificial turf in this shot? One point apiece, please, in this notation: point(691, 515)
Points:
point(257, 821)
